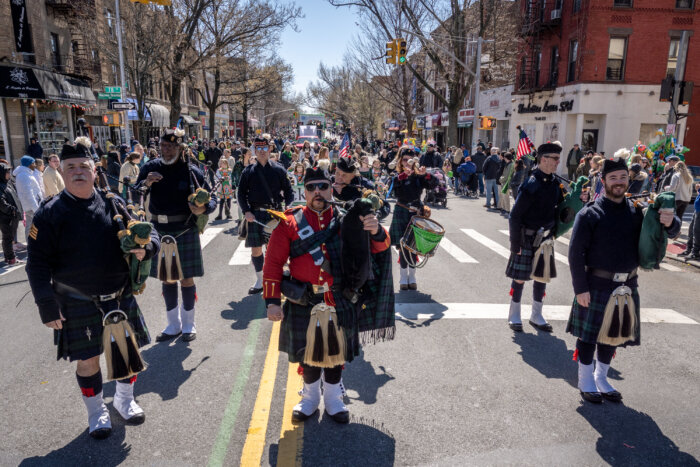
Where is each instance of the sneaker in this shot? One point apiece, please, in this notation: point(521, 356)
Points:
point(685, 253)
point(694, 257)
point(14, 262)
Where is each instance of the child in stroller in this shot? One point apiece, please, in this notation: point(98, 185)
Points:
point(438, 194)
point(467, 181)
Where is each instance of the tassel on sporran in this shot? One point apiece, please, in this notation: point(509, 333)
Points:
point(544, 268)
point(120, 348)
point(620, 318)
point(325, 339)
point(169, 267)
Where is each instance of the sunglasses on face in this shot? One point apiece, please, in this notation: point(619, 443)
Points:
point(318, 186)
point(261, 148)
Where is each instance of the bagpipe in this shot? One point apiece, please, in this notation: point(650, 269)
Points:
point(571, 204)
point(198, 197)
point(653, 238)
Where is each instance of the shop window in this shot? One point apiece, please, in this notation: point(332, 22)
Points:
point(685, 4)
point(55, 50)
point(673, 57)
point(110, 22)
point(538, 66)
point(573, 57)
point(616, 59)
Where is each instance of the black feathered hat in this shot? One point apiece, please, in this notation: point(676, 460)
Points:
point(613, 165)
point(316, 174)
point(549, 148)
point(347, 165)
point(81, 150)
point(172, 136)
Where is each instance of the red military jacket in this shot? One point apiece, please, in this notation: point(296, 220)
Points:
point(302, 267)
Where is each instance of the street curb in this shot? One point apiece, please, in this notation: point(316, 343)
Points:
point(681, 259)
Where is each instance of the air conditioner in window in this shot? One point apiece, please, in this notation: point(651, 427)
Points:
point(556, 14)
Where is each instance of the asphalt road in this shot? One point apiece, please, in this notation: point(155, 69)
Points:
point(456, 386)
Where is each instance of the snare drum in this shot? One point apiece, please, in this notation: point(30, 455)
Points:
point(422, 236)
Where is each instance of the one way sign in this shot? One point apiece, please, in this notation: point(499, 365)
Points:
point(123, 105)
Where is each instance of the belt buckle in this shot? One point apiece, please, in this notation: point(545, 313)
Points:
point(319, 288)
point(620, 277)
point(105, 298)
point(162, 218)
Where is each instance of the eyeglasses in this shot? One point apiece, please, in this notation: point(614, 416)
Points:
point(318, 186)
point(261, 148)
point(553, 158)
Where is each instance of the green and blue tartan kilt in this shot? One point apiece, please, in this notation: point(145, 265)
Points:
point(520, 266)
point(188, 248)
point(585, 322)
point(293, 333)
point(81, 336)
point(399, 222)
point(255, 236)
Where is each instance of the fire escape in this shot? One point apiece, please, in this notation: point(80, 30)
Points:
point(78, 61)
point(541, 19)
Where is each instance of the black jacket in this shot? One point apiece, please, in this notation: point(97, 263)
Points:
point(213, 155)
point(9, 201)
point(478, 159)
point(491, 166)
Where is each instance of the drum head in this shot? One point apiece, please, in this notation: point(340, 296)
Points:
point(270, 226)
point(429, 225)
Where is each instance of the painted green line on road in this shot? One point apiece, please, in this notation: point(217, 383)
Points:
point(228, 422)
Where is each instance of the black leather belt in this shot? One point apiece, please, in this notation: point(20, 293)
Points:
point(612, 276)
point(70, 292)
point(163, 219)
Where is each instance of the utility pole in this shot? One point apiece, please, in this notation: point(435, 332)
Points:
point(678, 80)
point(121, 72)
point(477, 91)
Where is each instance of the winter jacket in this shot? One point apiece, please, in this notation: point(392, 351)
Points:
point(574, 157)
point(681, 188)
point(491, 167)
point(128, 170)
point(10, 208)
point(478, 159)
point(28, 189)
point(637, 183)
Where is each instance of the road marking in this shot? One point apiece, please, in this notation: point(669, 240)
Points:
point(12, 268)
point(209, 235)
point(487, 242)
point(668, 267)
point(456, 251)
point(564, 240)
point(241, 256)
point(255, 439)
point(228, 421)
point(500, 311)
point(291, 444)
point(558, 256)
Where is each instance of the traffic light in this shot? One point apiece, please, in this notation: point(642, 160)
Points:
point(391, 49)
point(487, 123)
point(402, 48)
point(112, 119)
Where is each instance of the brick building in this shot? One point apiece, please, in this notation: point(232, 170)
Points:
point(589, 71)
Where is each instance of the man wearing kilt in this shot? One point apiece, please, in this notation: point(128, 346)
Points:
point(310, 240)
point(604, 256)
point(263, 185)
point(531, 224)
point(409, 184)
point(169, 180)
point(77, 273)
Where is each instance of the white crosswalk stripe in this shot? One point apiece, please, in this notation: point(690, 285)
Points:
point(488, 243)
point(9, 269)
point(241, 256)
point(209, 235)
point(456, 252)
point(558, 256)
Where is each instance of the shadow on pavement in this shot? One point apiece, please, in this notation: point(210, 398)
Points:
point(630, 437)
point(84, 450)
point(243, 312)
point(167, 373)
point(415, 297)
point(326, 443)
point(547, 354)
point(360, 376)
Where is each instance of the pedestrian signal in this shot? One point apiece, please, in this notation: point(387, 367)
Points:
point(112, 119)
point(391, 53)
point(402, 48)
point(487, 123)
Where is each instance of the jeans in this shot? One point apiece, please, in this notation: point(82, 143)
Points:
point(491, 188)
point(480, 176)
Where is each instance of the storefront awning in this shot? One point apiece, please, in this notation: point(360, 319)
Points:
point(160, 115)
point(189, 120)
point(32, 83)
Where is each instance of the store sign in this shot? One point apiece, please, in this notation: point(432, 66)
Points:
point(465, 115)
point(445, 119)
point(564, 106)
point(494, 103)
point(23, 38)
point(20, 82)
point(420, 122)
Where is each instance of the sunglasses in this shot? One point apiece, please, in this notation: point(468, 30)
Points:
point(317, 186)
point(261, 148)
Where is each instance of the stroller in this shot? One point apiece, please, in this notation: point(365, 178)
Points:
point(468, 183)
point(438, 194)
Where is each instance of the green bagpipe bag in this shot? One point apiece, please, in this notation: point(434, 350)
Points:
point(653, 238)
point(136, 235)
point(570, 206)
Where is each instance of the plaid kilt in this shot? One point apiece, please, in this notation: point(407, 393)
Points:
point(188, 248)
point(255, 236)
point(585, 322)
point(520, 266)
point(399, 222)
point(81, 336)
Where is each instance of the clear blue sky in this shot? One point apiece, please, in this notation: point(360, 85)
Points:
point(324, 34)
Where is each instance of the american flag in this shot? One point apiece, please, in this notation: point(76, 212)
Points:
point(525, 146)
point(345, 145)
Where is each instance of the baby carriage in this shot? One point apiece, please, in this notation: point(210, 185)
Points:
point(468, 183)
point(438, 194)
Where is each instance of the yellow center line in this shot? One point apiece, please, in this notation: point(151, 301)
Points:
point(291, 443)
point(255, 439)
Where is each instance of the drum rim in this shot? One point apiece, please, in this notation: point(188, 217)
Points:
point(416, 218)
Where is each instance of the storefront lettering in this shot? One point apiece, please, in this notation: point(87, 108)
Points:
point(564, 106)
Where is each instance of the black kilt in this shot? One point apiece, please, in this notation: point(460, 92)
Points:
point(293, 333)
point(188, 248)
point(585, 322)
point(81, 336)
point(255, 236)
point(399, 222)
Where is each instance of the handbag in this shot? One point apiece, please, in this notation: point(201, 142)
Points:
point(294, 290)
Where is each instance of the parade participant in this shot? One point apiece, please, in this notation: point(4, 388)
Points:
point(264, 185)
point(74, 288)
point(348, 184)
point(297, 180)
point(532, 221)
point(225, 191)
point(604, 256)
point(309, 239)
point(169, 179)
point(409, 184)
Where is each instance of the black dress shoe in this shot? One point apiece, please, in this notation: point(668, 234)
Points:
point(403, 287)
point(594, 397)
point(546, 327)
point(612, 396)
point(162, 337)
point(136, 419)
point(189, 336)
point(413, 286)
point(253, 290)
point(101, 433)
point(217, 218)
point(517, 327)
point(299, 416)
point(340, 417)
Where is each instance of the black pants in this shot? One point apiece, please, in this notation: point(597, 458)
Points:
point(227, 203)
point(680, 209)
point(694, 235)
point(8, 229)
